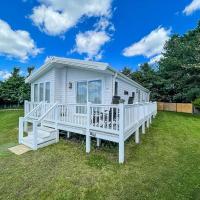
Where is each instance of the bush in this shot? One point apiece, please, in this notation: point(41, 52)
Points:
point(196, 103)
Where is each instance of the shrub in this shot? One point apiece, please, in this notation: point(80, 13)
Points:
point(196, 103)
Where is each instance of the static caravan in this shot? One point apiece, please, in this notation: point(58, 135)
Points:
point(83, 97)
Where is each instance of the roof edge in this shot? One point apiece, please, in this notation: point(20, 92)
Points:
point(67, 61)
point(79, 63)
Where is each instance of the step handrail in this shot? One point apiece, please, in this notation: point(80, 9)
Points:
point(26, 116)
point(46, 113)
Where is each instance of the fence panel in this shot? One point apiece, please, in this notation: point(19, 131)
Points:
point(170, 107)
point(184, 107)
point(175, 107)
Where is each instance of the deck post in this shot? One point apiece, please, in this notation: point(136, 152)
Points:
point(21, 124)
point(98, 142)
point(121, 133)
point(137, 136)
point(56, 117)
point(88, 142)
point(143, 128)
point(148, 123)
point(34, 135)
point(150, 119)
point(88, 137)
point(25, 107)
point(68, 134)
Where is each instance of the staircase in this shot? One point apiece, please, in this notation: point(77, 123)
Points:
point(32, 131)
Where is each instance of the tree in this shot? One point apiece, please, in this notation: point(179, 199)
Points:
point(147, 77)
point(14, 90)
point(180, 67)
point(127, 71)
point(30, 70)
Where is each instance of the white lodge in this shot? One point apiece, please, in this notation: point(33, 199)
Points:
point(84, 97)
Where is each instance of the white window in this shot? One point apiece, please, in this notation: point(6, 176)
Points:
point(41, 91)
point(90, 91)
point(35, 92)
point(95, 91)
point(47, 92)
point(81, 96)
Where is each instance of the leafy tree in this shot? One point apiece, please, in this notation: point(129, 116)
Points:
point(196, 103)
point(148, 77)
point(180, 67)
point(30, 70)
point(14, 90)
point(127, 71)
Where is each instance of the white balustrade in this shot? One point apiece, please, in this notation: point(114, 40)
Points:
point(105, 118)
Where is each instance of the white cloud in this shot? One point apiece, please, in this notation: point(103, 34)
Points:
point(155, 59)
point(90, 43)
point(4, 75)
point(16, 43)
point(150, 45)
point(103, 24)
point(192, 7)
point(55, 17)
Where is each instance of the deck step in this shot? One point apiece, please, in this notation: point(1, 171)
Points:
point(46, 129)
point(45, 137)
point(43, 132)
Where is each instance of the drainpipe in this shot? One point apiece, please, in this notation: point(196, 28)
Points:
point(113, 85)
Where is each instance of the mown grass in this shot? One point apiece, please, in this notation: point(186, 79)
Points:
point(166, 165)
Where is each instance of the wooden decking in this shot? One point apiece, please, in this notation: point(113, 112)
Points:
point(108, 122)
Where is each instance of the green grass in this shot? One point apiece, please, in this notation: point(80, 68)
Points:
point(166, 165)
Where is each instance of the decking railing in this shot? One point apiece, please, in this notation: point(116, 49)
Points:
point(29, 106)
point(73, 114)
point(106, 118)
point(136, 113)
point(36, 110)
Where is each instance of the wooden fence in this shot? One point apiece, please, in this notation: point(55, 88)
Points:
point(175, 107)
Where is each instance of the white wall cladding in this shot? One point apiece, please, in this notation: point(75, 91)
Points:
point(47, 77)
point(61, 93)
point(123, 85)
point(60, 84)
point(74, 75)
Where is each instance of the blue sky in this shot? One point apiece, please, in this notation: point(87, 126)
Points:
point(122, 33)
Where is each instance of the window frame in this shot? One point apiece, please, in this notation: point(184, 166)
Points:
point(87, 83)
point(126, 92)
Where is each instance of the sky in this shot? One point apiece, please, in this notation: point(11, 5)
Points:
point(121, 33)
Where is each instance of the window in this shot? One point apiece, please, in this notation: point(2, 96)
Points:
point(81, 95)
point(35, 92)
point(41, 91)
point(47, 92)
point(95, 91)
point(90, 91)
point(125, 92)
point(116, 89)
point(133, 94)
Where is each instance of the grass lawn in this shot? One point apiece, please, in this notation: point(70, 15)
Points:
point(166, 165)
